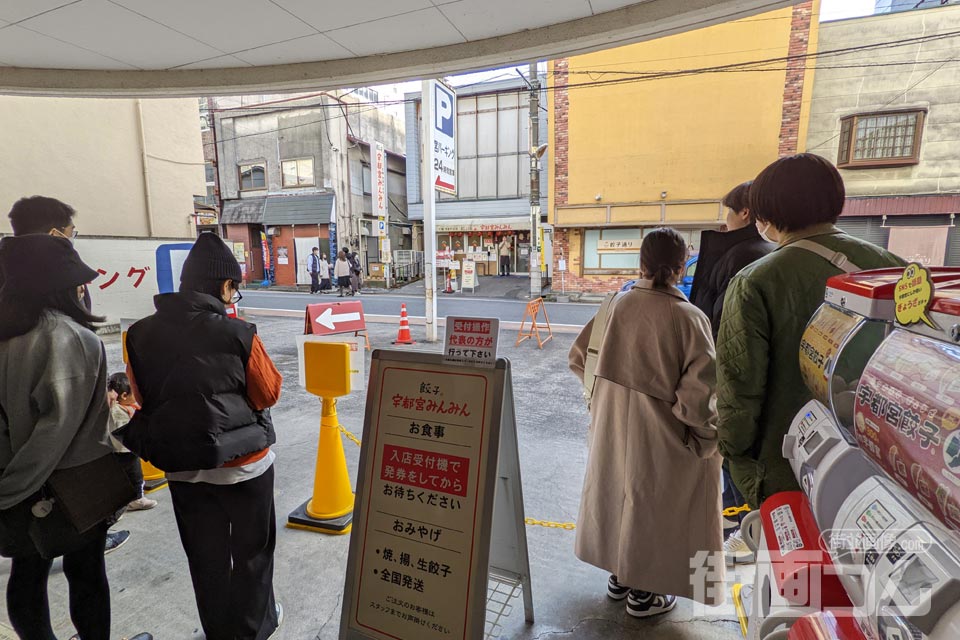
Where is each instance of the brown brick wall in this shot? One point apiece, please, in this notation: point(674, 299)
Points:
point(560, 145)
point(569, 241)
point(793, 83)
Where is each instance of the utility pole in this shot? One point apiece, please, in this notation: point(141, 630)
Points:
point(536, 287)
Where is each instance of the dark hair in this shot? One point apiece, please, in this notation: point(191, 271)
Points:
point(797, 192)
point(21, 314)
point(662, 254)
point(316, 248)
point(739, 198)
point(119, 383)
point(40, 214)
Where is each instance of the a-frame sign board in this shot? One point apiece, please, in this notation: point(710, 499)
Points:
point(439, 508)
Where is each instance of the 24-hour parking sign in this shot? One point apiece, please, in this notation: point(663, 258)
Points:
point(443, 155)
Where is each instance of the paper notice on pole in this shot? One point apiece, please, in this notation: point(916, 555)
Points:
point(471, 341)
point(358, 377)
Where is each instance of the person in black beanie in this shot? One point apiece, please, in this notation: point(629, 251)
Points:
point(53, 415)
point(205, 385)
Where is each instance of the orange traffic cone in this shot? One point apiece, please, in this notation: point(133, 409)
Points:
point(403, 335)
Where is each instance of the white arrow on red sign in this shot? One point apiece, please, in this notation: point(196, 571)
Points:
point(329, 319)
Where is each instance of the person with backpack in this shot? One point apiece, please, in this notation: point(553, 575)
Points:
point(205, 385)
point(651, 494)
point(341, 273)
point(53, 436)
point(314, 268)
point(796, 200)
point(356, 270)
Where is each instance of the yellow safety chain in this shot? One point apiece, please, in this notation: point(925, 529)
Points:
point(352, 438)
point(533, 522)
point(566, 526)
point(735, 511)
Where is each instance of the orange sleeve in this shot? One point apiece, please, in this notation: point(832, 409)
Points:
point(263, 379)
point(133, 386)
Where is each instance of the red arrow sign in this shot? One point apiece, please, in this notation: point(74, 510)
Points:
point(445, 185)
point(336, 317)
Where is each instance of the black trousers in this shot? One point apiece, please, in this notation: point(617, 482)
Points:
point(131, 466)
point(731, 495)
point(229, 533)
point(504, 265)
point(29, 608)
point(314, 282)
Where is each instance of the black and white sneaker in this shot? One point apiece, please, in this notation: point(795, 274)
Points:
point(115, 540)
point(643, 604)
point(615, 590)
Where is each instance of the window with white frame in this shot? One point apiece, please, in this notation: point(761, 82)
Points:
point(297, 172)
point(612, 251)
point(253, 176)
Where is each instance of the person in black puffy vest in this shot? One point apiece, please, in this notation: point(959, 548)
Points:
point(205, 384)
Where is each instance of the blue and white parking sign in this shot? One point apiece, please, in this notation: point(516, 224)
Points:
point(443, 155)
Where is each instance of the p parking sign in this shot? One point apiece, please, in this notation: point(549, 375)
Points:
point(443, 155)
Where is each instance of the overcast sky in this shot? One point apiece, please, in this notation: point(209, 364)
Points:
point(836, 9)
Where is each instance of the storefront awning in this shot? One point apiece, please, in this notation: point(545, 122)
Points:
point(316, 208)
point(243, 211)
point(466, 225)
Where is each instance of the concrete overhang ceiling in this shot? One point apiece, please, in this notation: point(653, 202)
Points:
point(199, 47)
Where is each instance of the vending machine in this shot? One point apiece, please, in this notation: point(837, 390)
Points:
point(877, 455)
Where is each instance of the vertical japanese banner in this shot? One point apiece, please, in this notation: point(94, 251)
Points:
point(907, 417)
point(421, 540)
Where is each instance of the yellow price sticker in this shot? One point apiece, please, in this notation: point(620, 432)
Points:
point(913, 296)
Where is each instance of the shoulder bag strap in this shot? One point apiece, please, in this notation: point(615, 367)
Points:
point(593, 347)
point(836, 258)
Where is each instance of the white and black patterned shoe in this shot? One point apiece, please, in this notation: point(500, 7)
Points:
point(643, 604)
point(615, 590)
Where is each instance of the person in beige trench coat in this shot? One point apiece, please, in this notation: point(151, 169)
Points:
point(651, 496)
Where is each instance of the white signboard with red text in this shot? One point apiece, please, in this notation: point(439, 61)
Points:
point(439, 460)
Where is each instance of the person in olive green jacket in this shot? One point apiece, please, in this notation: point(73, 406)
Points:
point(767, 307)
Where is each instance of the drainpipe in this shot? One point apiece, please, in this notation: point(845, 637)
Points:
point(147, 200)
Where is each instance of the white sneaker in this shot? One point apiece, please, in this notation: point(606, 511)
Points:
point(736, 551)
point(279, 621)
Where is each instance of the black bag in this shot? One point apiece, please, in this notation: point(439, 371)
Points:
point(74, 507)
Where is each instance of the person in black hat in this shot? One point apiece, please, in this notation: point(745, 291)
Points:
point(53, 415)
point(205, 385)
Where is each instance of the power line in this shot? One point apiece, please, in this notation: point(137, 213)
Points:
point(750, 66)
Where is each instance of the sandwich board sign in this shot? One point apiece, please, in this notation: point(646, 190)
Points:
point(439, 508)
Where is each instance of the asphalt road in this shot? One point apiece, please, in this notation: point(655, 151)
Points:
point(447, 305)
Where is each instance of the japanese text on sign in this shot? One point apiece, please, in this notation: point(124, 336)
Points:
point(421, 495)
point(907, 415)
point(471, 341)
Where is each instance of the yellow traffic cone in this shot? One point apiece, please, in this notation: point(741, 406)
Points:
point(153, 478)
point(330, 510)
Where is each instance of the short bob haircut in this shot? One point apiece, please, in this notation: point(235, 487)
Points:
point(739, 198)
point(797, 192)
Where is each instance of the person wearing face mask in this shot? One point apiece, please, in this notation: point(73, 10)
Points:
point(49, 216)
point(722, 256)
point(796, 201)
point(204, 383)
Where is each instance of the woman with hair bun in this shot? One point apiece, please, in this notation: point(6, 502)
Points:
point(651, 495)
